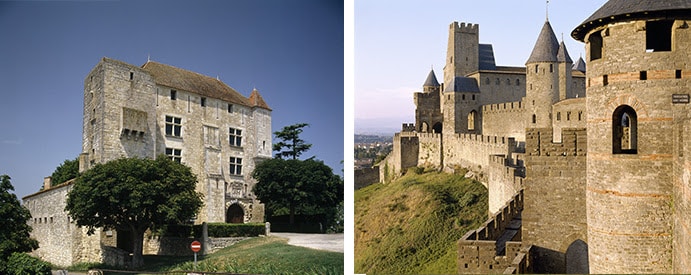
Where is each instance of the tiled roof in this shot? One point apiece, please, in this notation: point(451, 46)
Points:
point(257, 101)
point(431, 80)
point(177, 78)
point(546, 47)
point(626, 10)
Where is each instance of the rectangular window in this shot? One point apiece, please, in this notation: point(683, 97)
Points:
point(643, 75)
point(677, 74)
point(605, 80)
point(230, 108)
point(235, 137)
point(173, 126)
point(173, 95)
point(203, 101)
point(235, 166)
point(174, 154)
point(131, 75)
point(658, 36)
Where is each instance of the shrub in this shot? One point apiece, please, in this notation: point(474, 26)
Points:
point(236, 229)
point(22, 263)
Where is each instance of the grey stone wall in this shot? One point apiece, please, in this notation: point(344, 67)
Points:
point(505, 120)
point(366, 176)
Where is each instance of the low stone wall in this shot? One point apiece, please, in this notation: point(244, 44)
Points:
point(366, 177)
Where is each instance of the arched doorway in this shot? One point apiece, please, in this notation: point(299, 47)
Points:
point(235, 214)
point(577, 258)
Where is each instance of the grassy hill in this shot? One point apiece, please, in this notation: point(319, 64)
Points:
point(412, 225)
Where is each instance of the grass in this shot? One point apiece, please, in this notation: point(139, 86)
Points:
point(412, 225)
point(262, 255)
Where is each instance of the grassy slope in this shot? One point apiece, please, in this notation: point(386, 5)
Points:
point(412, 225)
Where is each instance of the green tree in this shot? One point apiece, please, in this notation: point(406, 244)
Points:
point(297, 184)
point(14, 232)
point(133, 195)
point(68, 170)
point(290, 139)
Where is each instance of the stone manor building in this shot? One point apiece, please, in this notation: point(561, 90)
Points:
point(588, 171)
point(150, 110)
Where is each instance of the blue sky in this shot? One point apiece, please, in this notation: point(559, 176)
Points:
point(396, 44)
point(291, 51)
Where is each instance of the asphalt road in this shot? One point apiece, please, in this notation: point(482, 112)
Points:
point(330, 242)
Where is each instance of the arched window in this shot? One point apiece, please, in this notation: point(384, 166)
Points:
point(471, 120)
point(487, 81)
point(424, 128)
point(624, 130)
point(437, 128)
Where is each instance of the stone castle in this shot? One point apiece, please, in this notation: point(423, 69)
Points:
point(588, 171)
point(133, 111)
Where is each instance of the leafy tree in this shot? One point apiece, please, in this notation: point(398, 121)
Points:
point(290, 139)
point(297, 184)
point(68, 170)
point(22, 263)
point(133, 195)
point(14, 232)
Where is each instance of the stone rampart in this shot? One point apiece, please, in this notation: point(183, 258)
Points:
point(504, 119)
point(505, 178)
point(473, 151)
point(366, 176)
point(489, 249)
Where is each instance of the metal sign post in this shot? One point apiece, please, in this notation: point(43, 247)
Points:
point(196, 247)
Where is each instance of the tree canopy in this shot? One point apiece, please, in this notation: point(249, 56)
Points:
point(14, 232)
point(290, 139)
point(297, 185)
point(133, 195)
point(68, 170)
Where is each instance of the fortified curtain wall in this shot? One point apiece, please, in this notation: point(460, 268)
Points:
point(504, 119)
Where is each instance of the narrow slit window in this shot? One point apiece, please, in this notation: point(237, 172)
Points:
point(203, 101)
point(605, 80)
point(677, 74)
point(173, 95)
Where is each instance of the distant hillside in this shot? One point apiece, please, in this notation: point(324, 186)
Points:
point(412, 225)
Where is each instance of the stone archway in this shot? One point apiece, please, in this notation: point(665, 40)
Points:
point(577, 258)
point(235, 214)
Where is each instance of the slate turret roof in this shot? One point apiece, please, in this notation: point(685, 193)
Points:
point(563, 54)
point(579, 65)
point(181, 79)
point(431, 80)
point(546, 47)
point(463, 84)
point(627, 10)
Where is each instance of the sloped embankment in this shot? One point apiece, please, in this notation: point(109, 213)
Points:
point(412, 225)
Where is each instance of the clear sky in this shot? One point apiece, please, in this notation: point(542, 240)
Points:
point(397, 42)
point(290, 51)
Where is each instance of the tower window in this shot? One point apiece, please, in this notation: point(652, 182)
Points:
point(658, 36)
point(595, 41)
point(534, 118)
point(463, 97)
point(535, 68)
point(173, 95)
point(518, 82)
point(551, 68)
point(643, 75)
point(487, 81)
point(624, 130)
point(497, 81)
point(677, 74)
point(558, 116)
point(605, 80)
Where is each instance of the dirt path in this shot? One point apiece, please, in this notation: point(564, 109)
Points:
point(330, 242)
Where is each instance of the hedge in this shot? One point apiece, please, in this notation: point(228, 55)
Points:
point(22, 263)
point(215, 230)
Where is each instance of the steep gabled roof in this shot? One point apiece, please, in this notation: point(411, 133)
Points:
point(256, 100)
point(546, 47)
point(431, 80)
point(563, 54)
point(627, 10)
point(177, 78)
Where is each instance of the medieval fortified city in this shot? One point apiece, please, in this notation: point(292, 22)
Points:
point(588, 167)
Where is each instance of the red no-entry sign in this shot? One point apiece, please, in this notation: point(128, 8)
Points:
point(196, 246)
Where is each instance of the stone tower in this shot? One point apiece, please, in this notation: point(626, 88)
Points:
point(462, 51)
point(428, 117)
point(565, 75)
point(638, 204)
point(460, 102)
point(542, 79)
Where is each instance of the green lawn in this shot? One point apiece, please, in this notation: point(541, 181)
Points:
point(262, 255)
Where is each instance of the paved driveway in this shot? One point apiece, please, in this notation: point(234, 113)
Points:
point(330, 242)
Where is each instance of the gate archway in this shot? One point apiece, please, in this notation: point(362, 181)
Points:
point(235, 214)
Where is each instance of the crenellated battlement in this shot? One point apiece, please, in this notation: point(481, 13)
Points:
point(506, 106)
point(539, 142)
point(464, 27)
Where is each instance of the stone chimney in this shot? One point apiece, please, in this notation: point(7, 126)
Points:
point(46, 183)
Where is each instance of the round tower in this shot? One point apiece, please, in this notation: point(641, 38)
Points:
point(639, 58)
point(542, 79)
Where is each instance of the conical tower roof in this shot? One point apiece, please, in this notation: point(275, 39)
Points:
point(546, 47)
point(579, 65)
point(627, 10)
point(257, 101)
point(431, 80)
point(563, 54)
